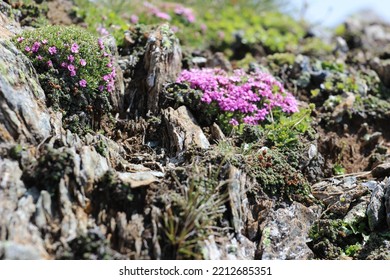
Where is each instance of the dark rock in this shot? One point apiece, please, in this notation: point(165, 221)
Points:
point(381, 171)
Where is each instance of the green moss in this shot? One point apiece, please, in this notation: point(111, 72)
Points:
point(275, 174)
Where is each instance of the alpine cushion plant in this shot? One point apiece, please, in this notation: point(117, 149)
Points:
point(76, 71)
point(240, 98)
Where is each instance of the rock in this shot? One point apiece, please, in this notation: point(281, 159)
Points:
point(216, 133)
point(376, 212)
point(8, 27)
point(23, 114)
point(140, 179)
point(237, 198)
point(161, 64)
point(218, 60)
point(117, 97)
point(382, 68)
point(16, 251)
point(225, 248)
point(358, 213)
point(381, 171)
point(183, 130)
point(286, 231)
point(18, 235)
point(338, 195)
point(387, 200)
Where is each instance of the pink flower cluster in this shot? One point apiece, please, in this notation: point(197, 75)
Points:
point(73, 62)
point(250, 97)
point(178, 9)
point(187, 13)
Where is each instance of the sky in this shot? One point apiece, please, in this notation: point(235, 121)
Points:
point(330, 13)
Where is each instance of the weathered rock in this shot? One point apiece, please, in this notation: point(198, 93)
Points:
point(381, 171)
point(376, 212)
point(358, 213)
point(140, 179)
point(19, 238)
point(117, 97)
point(286, 233)
point(218, 60)
point(338, 195)
point(237, 198)
point(183, 130)
point(23, 115)
point(8, 27)
point(387, 200)
point(382, 68)
point(161, 64)
point(224, 248)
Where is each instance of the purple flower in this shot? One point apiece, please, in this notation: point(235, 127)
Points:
point(71, 68)
point(102, 31)
point(83, 83)
point(71, 58)
point(83, 62)
point(27, 49)
point(39, 57)
point(49, 63)
point(20, 39)
point(44, 41)
point(162, 15)
point(72, 73)
point(106, 78)
point(64, 64)
point(101, 88)
point(74, 48)
point(100, 43)
point(52, 50)
point(233, 122)
point(134, 19)
point(35, 47)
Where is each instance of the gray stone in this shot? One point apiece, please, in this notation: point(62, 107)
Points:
point(285, 234)
point(376, 212)
point(387, 200)
point(140, 179)
point(23, 115)
point(183, 130)
point(337, 195)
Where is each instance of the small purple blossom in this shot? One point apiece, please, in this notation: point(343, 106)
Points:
point(101, 88)
point(71, 68)
point(74, 48)
point(64, 64)
point(44, 41)
point(83, 62)
point(162, 15)
point(27, 49)
point(102, 31)
point(70, 58)
point(39, 57)
point(20, 39)
point(134, 19)
point(73, 73)
point(185, 12)
point(35, 47)
point(52, 50)
point(83, 83)
point(49, 63)
point(100, 43)
point(233, 122)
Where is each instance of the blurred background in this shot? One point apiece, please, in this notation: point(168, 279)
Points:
point(330, 13)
